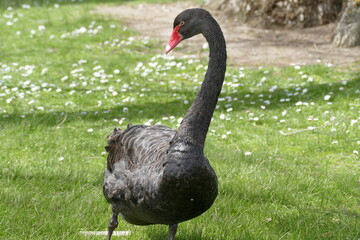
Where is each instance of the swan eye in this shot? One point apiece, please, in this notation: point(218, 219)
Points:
point(182, 23)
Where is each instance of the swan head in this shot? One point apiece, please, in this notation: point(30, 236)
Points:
point(186, 25)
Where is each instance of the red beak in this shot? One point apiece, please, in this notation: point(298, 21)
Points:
point(175, 39)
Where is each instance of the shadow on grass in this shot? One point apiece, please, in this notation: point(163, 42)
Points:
point(51, 175)
point(163, 234)
point(176, 108)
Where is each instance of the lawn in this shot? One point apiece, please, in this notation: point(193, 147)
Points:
point(284, 142)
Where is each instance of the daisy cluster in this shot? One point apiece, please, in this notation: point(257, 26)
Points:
point(11, 18)
point(234, 105)
point(305, 102)
point(298, 93)
point(160, 65)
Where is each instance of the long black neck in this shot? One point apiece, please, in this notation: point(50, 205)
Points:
point(195, 124)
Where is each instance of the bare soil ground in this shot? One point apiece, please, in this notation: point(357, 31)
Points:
point(246, 46)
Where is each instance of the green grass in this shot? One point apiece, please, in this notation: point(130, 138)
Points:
point(67, 77)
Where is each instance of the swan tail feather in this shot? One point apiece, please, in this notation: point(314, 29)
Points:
point(114, 147)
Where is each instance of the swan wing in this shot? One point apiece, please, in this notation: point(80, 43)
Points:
point(138, 146)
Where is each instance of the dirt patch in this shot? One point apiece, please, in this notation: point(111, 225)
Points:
point(246, 46)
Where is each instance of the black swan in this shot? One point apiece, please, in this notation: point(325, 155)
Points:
point(156, 175)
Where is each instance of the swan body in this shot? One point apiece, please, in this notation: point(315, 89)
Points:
point(157, 175)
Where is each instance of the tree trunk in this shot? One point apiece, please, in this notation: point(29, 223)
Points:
point(281, 13)
point(347, 33)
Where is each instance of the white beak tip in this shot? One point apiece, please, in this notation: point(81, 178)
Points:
point(168, 48)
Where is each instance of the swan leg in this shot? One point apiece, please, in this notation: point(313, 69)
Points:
point(113, 223)
point(172, 231)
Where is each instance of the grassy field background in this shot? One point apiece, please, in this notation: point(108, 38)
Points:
point(284, 142)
